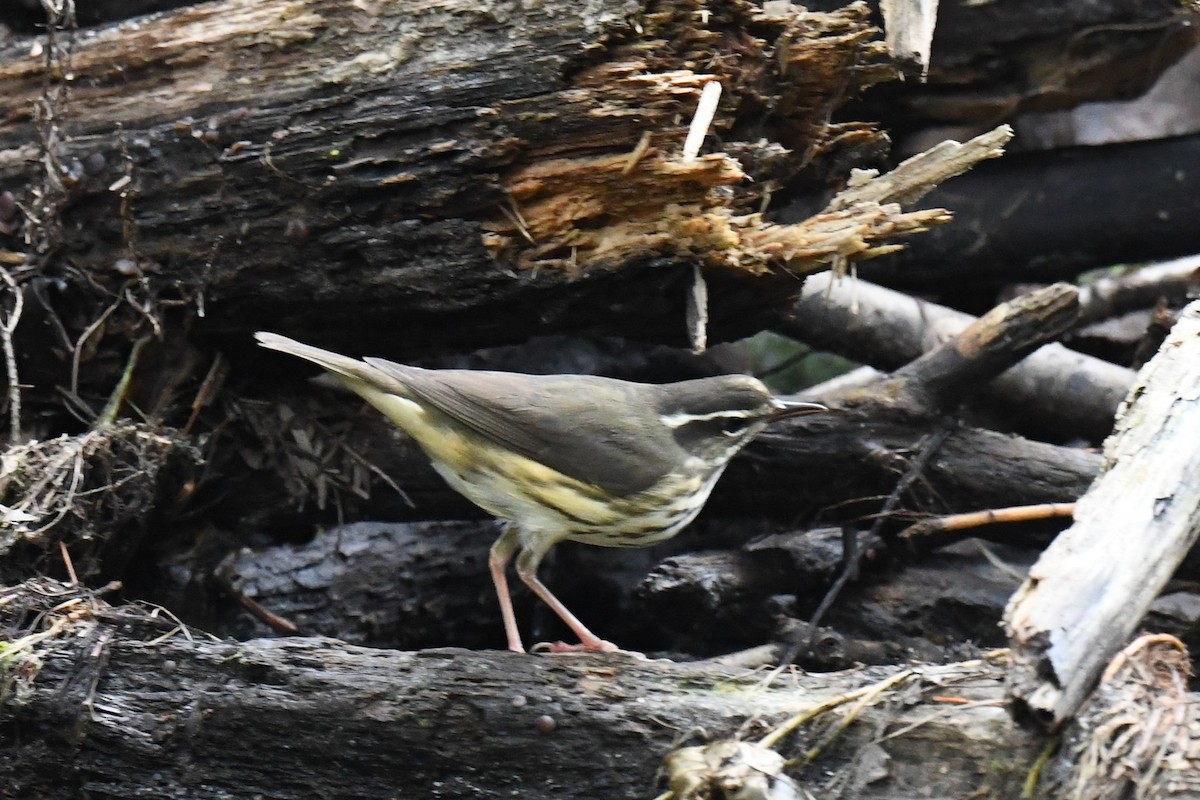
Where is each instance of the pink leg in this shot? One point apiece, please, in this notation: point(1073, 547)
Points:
point(501, 553)
point(527, 564)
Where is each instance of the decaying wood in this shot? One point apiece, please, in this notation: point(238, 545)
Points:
point(402, 585)
point(314, 717)
point(399, 179)
point(1092, 586)
point(1137, 734)
point(398, 186)
point(1052, 390)
point(417, 585)
point(917, 176)
point(768, 587)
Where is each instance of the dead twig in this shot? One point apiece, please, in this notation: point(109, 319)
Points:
point(956, 523)
point(928, 449)
point(8, 327)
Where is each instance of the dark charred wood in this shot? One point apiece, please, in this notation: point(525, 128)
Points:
point(362, 203)
point(991, 61)
point(294, 718)
point(1049, 216)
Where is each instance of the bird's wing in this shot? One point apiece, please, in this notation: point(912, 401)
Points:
point(552, 420)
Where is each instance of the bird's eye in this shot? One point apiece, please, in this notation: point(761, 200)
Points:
point(733, 426)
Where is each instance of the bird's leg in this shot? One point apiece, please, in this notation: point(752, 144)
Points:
point(501, 553)
point(527, 564)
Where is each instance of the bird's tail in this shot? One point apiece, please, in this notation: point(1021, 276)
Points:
point(340, 365)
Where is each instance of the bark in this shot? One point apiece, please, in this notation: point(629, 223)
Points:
point(397, 192)
point(314, 717)
point(1080, 604)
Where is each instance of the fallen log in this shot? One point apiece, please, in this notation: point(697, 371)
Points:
point(1054, 391)
point(297, 718)
point(1133, 527)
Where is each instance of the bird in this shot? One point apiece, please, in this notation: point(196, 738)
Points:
point(564, 457)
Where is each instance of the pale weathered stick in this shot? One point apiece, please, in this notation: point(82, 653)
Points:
point(909, 25)
point(1091, 587)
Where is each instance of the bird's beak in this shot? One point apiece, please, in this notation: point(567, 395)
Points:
point(794, 408)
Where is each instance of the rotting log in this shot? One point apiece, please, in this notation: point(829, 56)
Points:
point(715, 589)
point(1082, 600)
point(95, 709)
point(1139, 732)
point(438, 176)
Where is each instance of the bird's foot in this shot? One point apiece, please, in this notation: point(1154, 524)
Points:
point(592, 646)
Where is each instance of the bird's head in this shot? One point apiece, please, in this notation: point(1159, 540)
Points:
point(713, 418)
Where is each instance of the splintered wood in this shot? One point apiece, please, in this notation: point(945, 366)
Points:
point(592, 211)
point(579, 212)
point(1138, 735)
point(587, 212)
point(587, 202)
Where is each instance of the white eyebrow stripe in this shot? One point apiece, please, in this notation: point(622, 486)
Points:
point(678, 420)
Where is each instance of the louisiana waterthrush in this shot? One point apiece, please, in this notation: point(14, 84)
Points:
point(593, 460)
